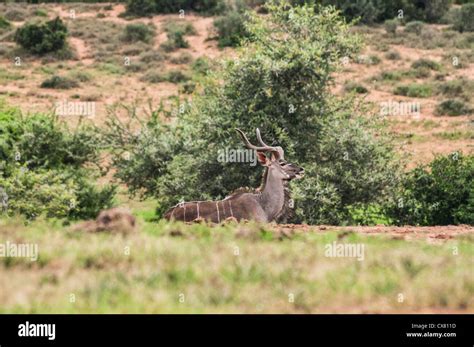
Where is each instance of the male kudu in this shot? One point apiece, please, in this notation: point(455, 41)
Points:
point(268, 203)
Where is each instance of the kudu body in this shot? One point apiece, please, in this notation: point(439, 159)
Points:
point(268, 203)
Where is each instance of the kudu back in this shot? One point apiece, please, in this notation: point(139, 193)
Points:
point(268, 203)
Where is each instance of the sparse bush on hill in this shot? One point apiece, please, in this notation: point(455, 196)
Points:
point(452, 107)
point(136, 32)
point(440, 194)
point(414, 90)
point(355, 87)
point(393, 55)
point(390, 26)
point(415, 27)
point(59, 82)
point(426, 63)
point(42, 38)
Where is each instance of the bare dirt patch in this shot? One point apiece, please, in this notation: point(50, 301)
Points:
point(433, 234)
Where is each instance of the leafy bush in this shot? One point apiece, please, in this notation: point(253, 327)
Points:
point(414, 90)
point(141, 8)
point(461, 87)
point(440, 194)
point(462, 20)
point(231, 28)
point(147, 7)
point(58, 82)
point(175, 41)
point(376, 11)
point(391, 25)
point(452, 107)
point(33, 193)
point(415, 27)
point(136, 32)
point(369, 214)
point(279, 82)
point(42, 38)
point(47, 168)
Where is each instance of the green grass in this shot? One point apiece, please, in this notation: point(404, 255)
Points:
point(231, 268)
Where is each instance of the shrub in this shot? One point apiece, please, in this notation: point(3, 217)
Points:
point(136, 32)
point(452, 107)
point(184, 58)
point(176, 76)
point(42, 38)
point(390, 26)
point(355, 87)
point(426, 63)
point(152, 56)
point(462, 88)
point(45, 168)
point(185, 28)
point(175, 41)
point(4, 24)
point(370, 11)
point(201, 65)
point(173, 76)
point(279, 82)
point(40, 192)
point(440, 194)
point(415, 27)
point(414, 90)
point(462, 20)
point(141, 8)
point(40, 13)
point(147, 7)
point(393, 55)
point(230, 29)
point(58, 82)
point(15, 15)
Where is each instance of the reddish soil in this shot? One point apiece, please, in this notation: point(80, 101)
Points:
point(434, 234)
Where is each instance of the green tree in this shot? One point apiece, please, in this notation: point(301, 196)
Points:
point(280, 82)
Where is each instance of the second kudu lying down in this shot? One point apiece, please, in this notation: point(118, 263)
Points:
point(268, 203)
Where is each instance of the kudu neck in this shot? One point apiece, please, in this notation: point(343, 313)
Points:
point(273, 195)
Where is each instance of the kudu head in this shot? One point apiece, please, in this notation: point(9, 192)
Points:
point(273, 158)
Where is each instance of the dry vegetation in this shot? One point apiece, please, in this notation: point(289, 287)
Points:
point(156, 73)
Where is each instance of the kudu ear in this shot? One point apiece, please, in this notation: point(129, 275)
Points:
point(263, 159)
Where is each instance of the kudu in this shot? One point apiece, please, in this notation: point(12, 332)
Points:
point(270, 202)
